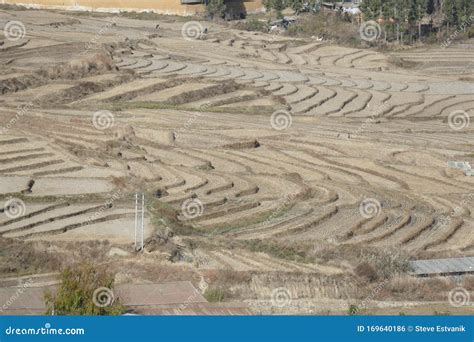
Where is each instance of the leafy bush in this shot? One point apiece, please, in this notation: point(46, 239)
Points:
point(84, 290)
point(216, 8)
point(214, 295)
point(470, 32)
point(254, 24)
point(353, 309)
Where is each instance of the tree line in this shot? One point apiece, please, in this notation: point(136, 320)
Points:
point(401, 17)
point(407, 14)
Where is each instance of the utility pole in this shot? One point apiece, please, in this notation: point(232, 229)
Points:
point(136, 219)
point(139, 221)
point(143, 222)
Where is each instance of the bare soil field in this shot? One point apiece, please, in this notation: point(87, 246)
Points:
point(293, 175)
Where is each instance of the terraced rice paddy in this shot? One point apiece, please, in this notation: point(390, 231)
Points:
point(356, 153)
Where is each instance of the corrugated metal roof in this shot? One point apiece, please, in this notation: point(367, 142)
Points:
point(159, 294)
point(443, 266)
point(22, 301)
point(203, 309)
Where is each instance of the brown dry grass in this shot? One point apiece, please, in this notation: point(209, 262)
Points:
point(18, 258)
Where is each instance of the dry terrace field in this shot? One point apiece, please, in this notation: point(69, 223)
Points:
point(274, 168)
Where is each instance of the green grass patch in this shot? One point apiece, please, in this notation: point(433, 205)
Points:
point(279, 250)
point(215, 295)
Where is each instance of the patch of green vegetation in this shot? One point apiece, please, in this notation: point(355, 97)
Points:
point(120, 106)
point(218, 230)
point(264, 110)
point(214, 295)
point(84, 290)
point(279, 250)
point(261, 217)
point(163, 215)
point(352, 310)
point(215, 9)
point(254, 24)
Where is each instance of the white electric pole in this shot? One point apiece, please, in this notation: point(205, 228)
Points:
point(136, 218)
point(143, 222)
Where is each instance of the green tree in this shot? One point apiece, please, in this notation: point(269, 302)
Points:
point(465, 8)
point(277, 5)
point(430, 7)
point(415, 14)
point(451, 12)
point(215, 8)
point(372, 9)
point(84, 290)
